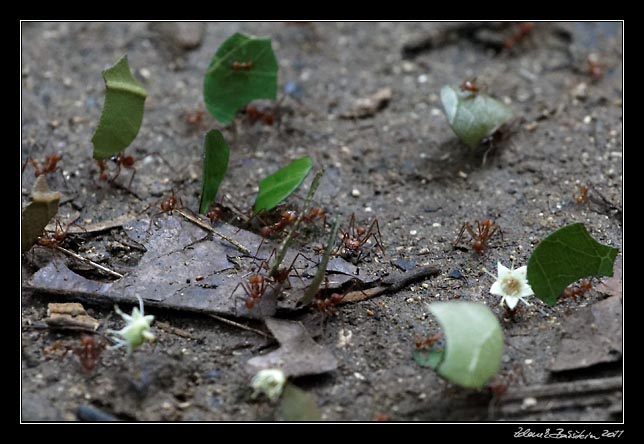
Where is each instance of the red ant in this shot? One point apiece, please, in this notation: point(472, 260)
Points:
point(356, 237)
point(167, 204)
point(214, 214)
point(282, 274)
point(254, 289)
point(88, 352)
point(241, 66)
point(523, 29)
point(195, 118)
point(486, 228)
point(471, 86)
point(50, 164)
point(57, 238)
point(314, 213)
point(287, 217)
point(121, 160)
point(327, 305)
point(255, 113)
point(595, 70)
point(582, 198)
point(429, 341)
point(573, 292)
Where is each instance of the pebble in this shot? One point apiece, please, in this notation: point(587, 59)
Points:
point(588, 119)
point(436, 225)
point(528, 402)
point(435, 112)
point(145, 73)
point(422, 78)
point(528, 361)
point(413, 232)
point(184, 35)
point(462, 174)
point(359, 376)
point(355, 192)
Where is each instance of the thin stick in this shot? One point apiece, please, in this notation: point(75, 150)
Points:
point(238, 325)
point(207, 227)
point(279, 257)
point(88, 262)
point(319, 275)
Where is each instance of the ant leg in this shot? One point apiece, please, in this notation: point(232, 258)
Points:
point(129, 184)
point(352, 225)
point(118, 171)
point(469, 229)
point(378, 239)
point(460, 234)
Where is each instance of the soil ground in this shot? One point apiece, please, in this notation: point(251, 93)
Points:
point(409, 170)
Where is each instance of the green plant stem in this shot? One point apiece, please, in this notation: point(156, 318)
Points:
point(319, 275)
point(279, 257)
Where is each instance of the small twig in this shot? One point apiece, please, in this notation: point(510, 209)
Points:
point(279, 257)
point(207, 227)
point(238, 325)
point(319, 275)
point(88, 262)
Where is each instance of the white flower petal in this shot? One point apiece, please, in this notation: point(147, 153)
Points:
point(502, 271)
point(526, 291)
point(510, 301)
point(497, 289)
point(521, 272)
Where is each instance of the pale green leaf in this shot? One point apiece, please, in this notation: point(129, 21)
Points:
point(473, 116)
point(473, 342)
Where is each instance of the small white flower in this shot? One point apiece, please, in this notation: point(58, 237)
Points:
point(137, 330)
point(511, 285)
point(270, 382)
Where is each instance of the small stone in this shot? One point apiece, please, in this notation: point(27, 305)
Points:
point(436, 225)
point(355, 192)
point(528, 402)
point(422, 78)
point(413, 232)
point(359, 376)
point(528, 361)
point(408, 67)
point(588, 119)
point(462, 174)
point(145, 73)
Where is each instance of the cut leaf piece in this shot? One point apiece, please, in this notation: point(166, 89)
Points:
point(243, 69)
point(564, 257)
point(298, 405)
point(473, 116)
point(279, 185)
point(473, 342)
point(37, 214)
point(122, 113)
point(215, 164)
point(429, 358)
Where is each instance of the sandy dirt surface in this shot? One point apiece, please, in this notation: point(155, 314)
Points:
point(403, 165)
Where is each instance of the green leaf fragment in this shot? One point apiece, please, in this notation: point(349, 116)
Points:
point(226, 89)
point(279, 185)
point(37, 214)
point(567, 255)
point(298, 405)
point(429, 358)
point(473, 116)
point(122, 112)
point(473, 342)
point(215, 164)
